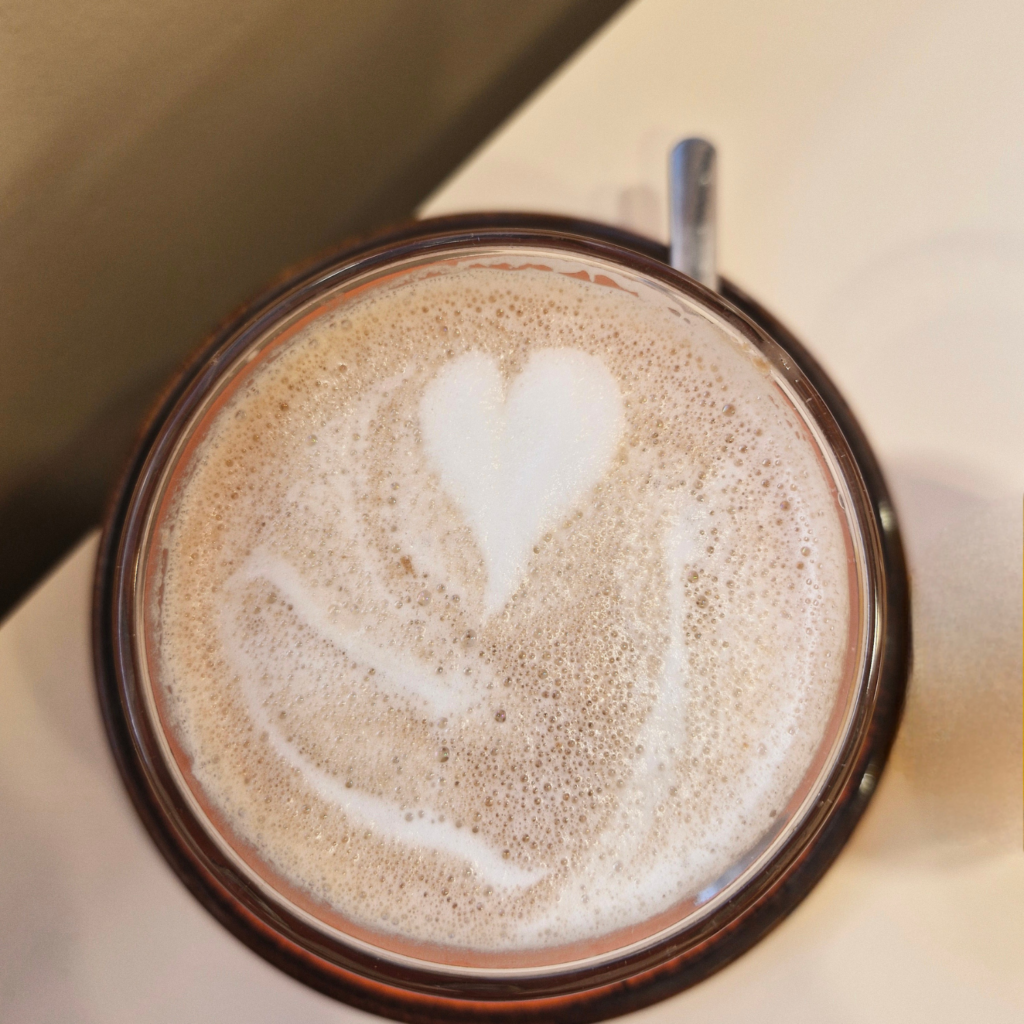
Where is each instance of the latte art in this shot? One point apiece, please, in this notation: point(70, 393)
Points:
point(515, 464)
point(501, 609)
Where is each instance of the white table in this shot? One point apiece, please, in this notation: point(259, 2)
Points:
point(872, 195)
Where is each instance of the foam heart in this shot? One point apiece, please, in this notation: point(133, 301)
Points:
point(515, 461)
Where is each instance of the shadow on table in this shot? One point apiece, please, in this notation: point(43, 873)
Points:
point(958, 753)
point(64, 497)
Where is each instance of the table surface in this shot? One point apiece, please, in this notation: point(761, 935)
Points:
point(871, 159)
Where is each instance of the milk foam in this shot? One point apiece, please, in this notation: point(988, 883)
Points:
point(503, 610)
point(515, 463)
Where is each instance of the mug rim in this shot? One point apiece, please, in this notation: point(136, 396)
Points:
point(420, 994)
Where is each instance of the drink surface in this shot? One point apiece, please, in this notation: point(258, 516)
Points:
point(502, 610)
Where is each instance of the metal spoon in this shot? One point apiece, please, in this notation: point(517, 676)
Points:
point(692, 218)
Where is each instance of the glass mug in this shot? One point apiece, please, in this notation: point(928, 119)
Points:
point(587, 981)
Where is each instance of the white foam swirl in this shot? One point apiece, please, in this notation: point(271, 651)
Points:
point(401, 676)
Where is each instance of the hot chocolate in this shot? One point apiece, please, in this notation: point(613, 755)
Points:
point(500, 609)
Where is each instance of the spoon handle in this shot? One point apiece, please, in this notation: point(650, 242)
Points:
point(692, 217)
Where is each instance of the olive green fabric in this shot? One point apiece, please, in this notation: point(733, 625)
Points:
point(161, 161)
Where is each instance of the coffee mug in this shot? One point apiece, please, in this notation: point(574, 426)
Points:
point(402, 969)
